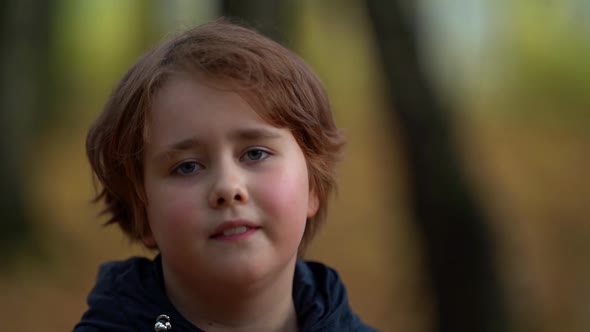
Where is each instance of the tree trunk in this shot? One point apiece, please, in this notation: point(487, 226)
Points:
point(273, 18)
point(458, 251)
point(23, 98)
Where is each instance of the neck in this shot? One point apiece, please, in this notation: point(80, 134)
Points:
point(263, 306)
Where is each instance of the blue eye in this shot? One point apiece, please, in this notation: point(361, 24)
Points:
point(187, 168)
point(256, 155)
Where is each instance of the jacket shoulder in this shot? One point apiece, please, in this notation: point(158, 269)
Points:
point(321, 300)
point(105, 309)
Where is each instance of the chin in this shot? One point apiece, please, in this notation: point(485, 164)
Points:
point(244, 271)
point(250, 272)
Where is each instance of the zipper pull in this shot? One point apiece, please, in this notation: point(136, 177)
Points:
point(162, 323)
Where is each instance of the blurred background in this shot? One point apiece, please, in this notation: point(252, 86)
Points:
point(464, 195)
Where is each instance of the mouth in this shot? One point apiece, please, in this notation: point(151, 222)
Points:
point(234, 230)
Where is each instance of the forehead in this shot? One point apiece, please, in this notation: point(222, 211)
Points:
point(208, 87)
point(185, 104)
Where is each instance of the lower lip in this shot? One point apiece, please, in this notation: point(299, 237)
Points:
point(236, 237)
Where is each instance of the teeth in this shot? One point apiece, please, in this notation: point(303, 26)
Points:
point(234, 231)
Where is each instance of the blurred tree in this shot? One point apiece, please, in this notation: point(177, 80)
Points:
point(272, 18)
point(547, 63)
point(458, 251)
point(24, 98)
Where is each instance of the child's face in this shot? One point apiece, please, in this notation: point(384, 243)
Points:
point(228, 193)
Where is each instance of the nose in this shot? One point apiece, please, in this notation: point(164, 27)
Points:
point(228, 188)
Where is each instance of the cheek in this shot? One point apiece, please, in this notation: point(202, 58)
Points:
point(285, 195)
point(171, 210)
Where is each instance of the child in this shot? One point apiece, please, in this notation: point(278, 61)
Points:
point(218, 150)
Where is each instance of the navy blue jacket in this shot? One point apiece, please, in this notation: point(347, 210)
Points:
point(129, 296)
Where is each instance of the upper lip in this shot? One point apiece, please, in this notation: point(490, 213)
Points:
point(232, 224)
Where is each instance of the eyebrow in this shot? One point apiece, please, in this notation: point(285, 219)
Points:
point(242, 134)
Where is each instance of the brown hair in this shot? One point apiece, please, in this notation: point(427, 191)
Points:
point(279, 85)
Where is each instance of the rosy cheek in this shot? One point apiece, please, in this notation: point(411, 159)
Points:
point(283, 194)
point(173, 209)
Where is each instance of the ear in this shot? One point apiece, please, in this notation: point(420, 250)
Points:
point(313, 204)
point(148, 239)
